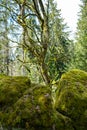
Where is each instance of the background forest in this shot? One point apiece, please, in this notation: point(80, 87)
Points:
point(34, 40)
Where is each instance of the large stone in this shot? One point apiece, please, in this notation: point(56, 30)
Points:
point(25, 105)
point(62, 122)
point(71, 98)
point(33, 110)
point(11, 89)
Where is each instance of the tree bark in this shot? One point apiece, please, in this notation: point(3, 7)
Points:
point(44, 73)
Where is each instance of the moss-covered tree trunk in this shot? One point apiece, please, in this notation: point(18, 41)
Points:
point(37, 45)
point(44, 73)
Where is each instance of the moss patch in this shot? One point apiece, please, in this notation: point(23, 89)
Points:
point(62, 122)
point(71, 98)
point(33, 109)
point(11, 89)
point(25, 105)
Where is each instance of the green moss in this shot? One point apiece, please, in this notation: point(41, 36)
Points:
point(71, 97)
point(25, 105)
point(62, 122)
point(11, 89)
point(33, 109)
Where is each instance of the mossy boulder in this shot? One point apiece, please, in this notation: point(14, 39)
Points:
point(33, 110)
point(25, 105)
point(71, 98)
point(62, 122)
point(11, 89)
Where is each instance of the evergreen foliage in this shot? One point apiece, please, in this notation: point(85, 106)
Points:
point(80, 51)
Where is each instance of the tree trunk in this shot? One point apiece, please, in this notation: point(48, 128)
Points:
point(44, 73)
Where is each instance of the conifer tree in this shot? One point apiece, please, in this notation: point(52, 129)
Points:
point(59, 50)
point(81, 44)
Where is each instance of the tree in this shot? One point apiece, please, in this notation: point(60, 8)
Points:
point(9, 38)
point(43, 39)
point(59, 53)
point(39, 45)
point(81, 44)
point(4, 40)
